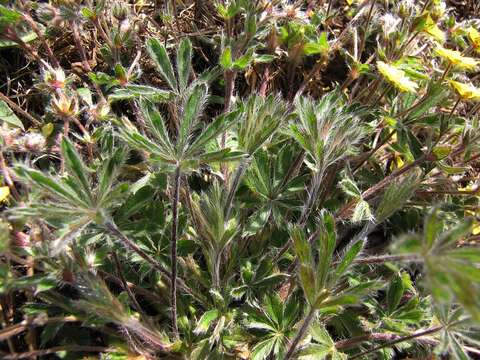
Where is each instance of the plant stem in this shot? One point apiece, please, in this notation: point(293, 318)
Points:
point(7, 178)
point(312, 196)
point(18, 328)
point(173, 255)
point(19, 110)
point(316, 68)
point(386, 258)
point(130, 294)
point(300, 334)
point(354, 341)
point(229, 76)
point(40, 36)
point(365, 31)
point(114, 230)
point(216, 270)
point(371, 192)
point(329, 8)
point(85, 64)
point(53, 350)
point(5, 323)
point(366, 156)
point(79, 46)
point(399, 340)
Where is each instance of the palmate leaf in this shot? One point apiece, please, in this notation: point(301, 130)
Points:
point(449, 277)
point(71, 203)
point(205, 321)
point(327, 129)
point(132, 92)
point(69, 233)
point(260, 118)
point(77, 168)
point(108, 175)
point(326, 247)
point(263, 349)
point(273, 192)
point(139, 141)
point(53, 187)
point(159, 55)
point(156, 125)
point(211, 132)
point(192, 110)
point(322, 346)
point(276, 319)
point(306, 266)
point(459, 334)
point(187, 153)
point(348, 257)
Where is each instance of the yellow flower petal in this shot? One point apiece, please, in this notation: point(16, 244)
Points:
point(4, 193)
point(474, 37)
point(466, 91)
point(457, 59)
point(432, 29)
point(397, 77)
point(476, 229)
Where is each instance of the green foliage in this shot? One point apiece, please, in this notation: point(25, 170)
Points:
point(239, 180)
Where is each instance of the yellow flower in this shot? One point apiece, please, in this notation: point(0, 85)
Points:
point(476, 223)
point(64, 106)
point(474, 37)
point(457, 59)
point(4, 193)
point(397, 77)
point(476, 228)
point(432, 29)
point(466, 91)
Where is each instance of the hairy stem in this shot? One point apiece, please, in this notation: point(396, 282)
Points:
point(173, 254)
point(115, 231)
point(40, 36)
point(85, 64)
point(229, 77)
point(129, 291)
point(386, 258)
point(371, 192)
point(7, 177)
point(19, 110)
point(399, 340)
point(53, 350)
point(312, 197)
point(301, 333)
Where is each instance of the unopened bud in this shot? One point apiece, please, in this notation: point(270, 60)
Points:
point(64, 106)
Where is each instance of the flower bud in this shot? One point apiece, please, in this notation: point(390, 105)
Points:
point(437, 11)
point(54, 78)
point(99, 112)
point(120, 11)
point(64, 106)
point(32, 142)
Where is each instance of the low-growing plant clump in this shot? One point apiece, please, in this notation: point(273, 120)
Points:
point(239, 179)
